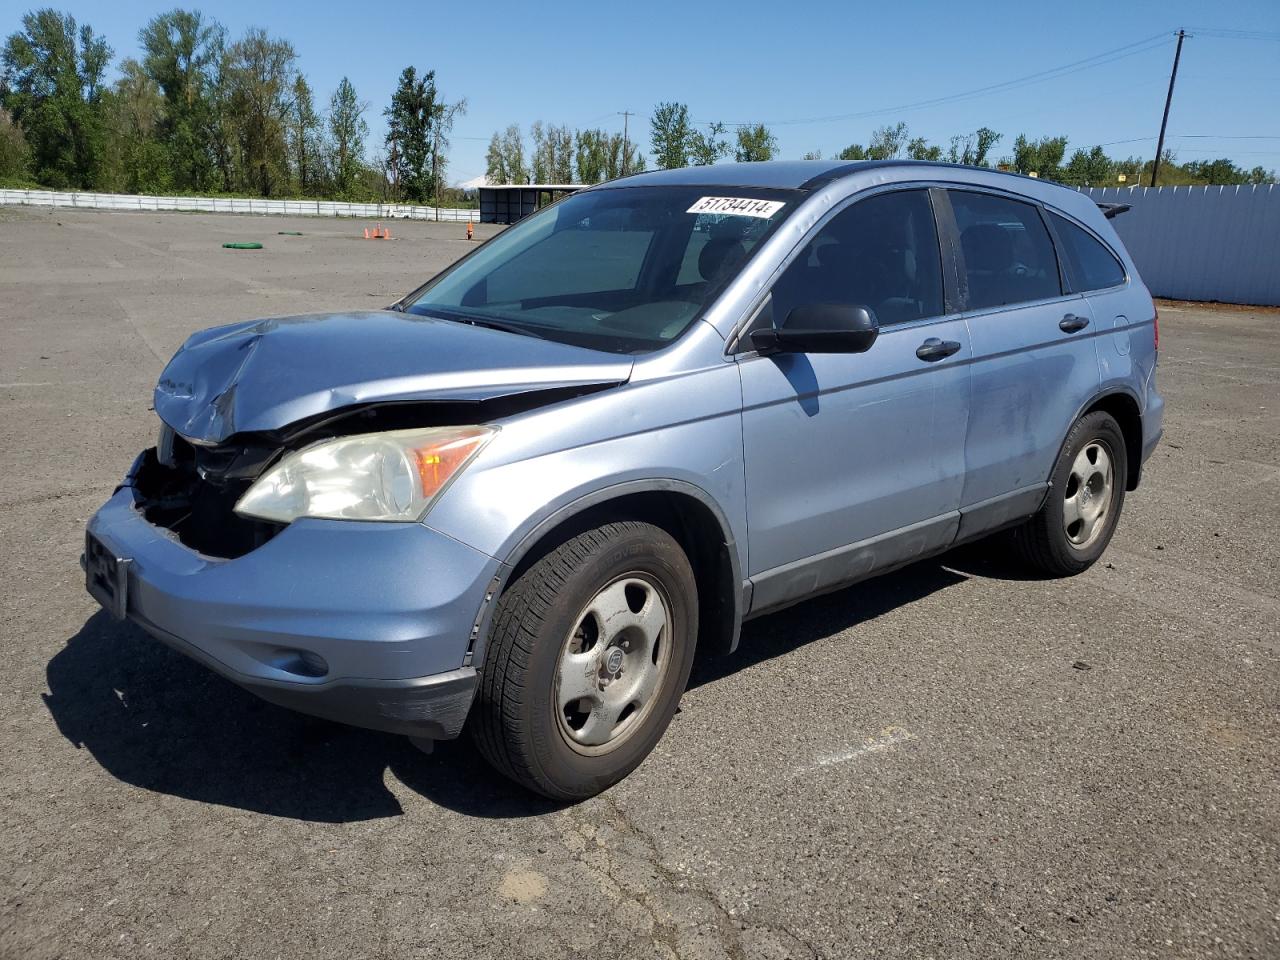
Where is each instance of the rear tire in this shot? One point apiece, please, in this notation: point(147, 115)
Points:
point(590, 652)
point(1086, 493)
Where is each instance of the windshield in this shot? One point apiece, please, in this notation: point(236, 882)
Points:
point(624, 269)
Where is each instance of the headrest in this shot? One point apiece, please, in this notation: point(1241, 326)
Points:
point(987, 246)
point(719, 254)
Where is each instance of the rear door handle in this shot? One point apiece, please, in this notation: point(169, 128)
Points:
point(1071, 323)
point(935, 349)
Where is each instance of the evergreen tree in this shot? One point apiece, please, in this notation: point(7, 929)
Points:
point(304, 137)
point(347, 132)
point(408, 140)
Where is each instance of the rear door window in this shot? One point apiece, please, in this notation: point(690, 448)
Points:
point(1008, 256)
point(1091, 265)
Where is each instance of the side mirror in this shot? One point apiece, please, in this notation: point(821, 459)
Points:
point(821, 328)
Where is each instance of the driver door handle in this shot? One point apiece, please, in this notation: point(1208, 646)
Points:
point(1071, 323)
point(934, 349)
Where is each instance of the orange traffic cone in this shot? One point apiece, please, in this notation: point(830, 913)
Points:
point(471, 233)
point(366, 233)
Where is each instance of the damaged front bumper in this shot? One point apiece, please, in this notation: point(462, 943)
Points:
point(363, 623)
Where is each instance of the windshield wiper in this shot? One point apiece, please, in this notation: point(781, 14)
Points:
point(484, 321)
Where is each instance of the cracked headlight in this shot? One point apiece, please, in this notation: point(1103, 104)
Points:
point(372, 476)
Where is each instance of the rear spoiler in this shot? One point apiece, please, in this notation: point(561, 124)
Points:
point(1113, 210)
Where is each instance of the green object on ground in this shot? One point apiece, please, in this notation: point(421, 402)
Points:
point(288, 233)
point(243, 246)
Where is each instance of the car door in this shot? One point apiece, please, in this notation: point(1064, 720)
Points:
point(1034, 355)
point(855, 462)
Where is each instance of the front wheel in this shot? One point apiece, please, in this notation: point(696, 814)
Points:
point(590, 653)
point(1086, 492)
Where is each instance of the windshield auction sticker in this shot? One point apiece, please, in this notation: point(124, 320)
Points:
point(737, 206)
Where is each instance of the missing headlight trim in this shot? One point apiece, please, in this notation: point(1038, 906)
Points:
point(195, 496)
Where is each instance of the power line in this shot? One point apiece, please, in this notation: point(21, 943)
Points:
point(1234, 153)
point(1219, 33)
point(1192, 136)
point(1054, 73)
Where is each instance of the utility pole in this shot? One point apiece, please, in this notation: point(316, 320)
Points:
point(1168, 100)
point(626, 148)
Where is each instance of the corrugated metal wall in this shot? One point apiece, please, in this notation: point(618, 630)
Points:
point(1203, 243)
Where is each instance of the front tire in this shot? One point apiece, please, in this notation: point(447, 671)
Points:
point(590, 652)
point(1086, 493)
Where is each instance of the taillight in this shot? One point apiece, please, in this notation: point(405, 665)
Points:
point(1155, 325)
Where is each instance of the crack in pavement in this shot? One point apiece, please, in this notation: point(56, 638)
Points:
point(729, 926)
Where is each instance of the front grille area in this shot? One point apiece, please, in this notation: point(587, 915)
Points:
point(195, 496)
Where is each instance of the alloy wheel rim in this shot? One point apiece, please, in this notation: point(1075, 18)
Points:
point(1087, 495)
point(612, 664)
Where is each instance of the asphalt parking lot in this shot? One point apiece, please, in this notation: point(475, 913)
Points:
point(950, 761)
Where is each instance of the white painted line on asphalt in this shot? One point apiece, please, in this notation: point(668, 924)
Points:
point(886, 740)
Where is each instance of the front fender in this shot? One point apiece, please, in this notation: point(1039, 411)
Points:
point(534, 532)
point(679, 434)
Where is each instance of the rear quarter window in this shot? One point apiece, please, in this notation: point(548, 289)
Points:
point(1091, 266)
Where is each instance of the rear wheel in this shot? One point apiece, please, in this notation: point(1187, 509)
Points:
point(590, 652)
point(1079, 516)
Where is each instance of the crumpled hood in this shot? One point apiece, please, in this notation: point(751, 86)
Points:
point(267, 374)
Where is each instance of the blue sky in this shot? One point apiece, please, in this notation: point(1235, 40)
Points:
point(581, 64)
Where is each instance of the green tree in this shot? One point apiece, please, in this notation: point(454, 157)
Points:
point(552, 153)
point(973, 148)
point(1089, 168)
point(304, 137)
point(624, 158)
point(887, 143)
point(855, 151)
point(1042, 157)
point(1220, 172)
point(813, 155)
point(53, 81)
point(504, 160)
point(669, 135)
point(591, 155)
point(347, 132)
point(182, 52)
point(495, 162)
point(755, 143)
point(258, 73)
point(921, 149)
point(984, 138)
point(442, 121)
point(134, 159)
point(14, 152)
point(413, 106)
point(706, 148)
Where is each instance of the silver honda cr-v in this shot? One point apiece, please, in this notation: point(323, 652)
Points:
point(523, 494)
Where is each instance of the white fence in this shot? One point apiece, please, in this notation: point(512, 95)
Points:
point(292, 208)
